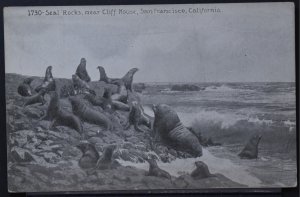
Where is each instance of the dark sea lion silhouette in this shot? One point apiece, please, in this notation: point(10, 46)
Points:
point(90, 156)
point(24, 89)
point(154, 170)
point(81, 71)
point(126, 79)
point(49, 82)
point(61, 117)
point(137, 118)
point(90, 115)
point(103, 76)
point(201, 171)
point(168, 128)
point(250, 151)
point(37, 98)
point(81, 86)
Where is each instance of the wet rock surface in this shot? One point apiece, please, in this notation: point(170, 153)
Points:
point(44, 159)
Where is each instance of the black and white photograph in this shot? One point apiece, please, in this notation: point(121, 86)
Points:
point(150, 97)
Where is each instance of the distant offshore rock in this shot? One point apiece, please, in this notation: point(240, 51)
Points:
point(185, 87)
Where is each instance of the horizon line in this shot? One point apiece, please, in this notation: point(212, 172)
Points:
point(173, 81)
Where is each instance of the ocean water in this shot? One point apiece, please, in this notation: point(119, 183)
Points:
point(230, 113)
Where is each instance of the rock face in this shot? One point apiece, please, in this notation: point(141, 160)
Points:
point(185, 87)
point(43, 159)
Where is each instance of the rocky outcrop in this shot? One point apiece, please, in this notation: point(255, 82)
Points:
point(43, 159)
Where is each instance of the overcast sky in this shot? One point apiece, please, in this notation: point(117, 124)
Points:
point(244, 42)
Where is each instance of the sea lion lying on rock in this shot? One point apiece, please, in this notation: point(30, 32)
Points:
point(49, 82)
point(37, 98)
point(81, 86)
point(24, 89)
point(250, 151)
point(106, 103)
point(61, 117)
point(201, 171)
point(168, 127)
point(154, 170)
point(89, 115)
point(81, 71)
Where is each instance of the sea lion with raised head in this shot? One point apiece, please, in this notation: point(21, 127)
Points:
point(89, 115)
point(49, 82)
point(103, 76)
point(81, 86)
point(106, 161)
point(37, 98)
point(90, 156)
point(250, 151)
point(61, 117)
point(126, 79)
point(154, 170)
point(201, 171)
point(137, 118)
point(81, 71)
point(24, 89)
point(168, 128)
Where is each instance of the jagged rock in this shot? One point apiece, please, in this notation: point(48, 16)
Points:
point(33, 112)
point(130, 155)
point(95, 140)
point(21, 155)
point(20, 138)
point(21, 124)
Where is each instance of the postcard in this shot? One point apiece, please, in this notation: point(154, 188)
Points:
point(150, 97)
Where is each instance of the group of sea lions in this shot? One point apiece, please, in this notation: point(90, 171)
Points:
point(165, 127)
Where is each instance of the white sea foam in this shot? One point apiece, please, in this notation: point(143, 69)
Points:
point(225, 120)
point(289, 123)
point(178, 167)
point(260, 121)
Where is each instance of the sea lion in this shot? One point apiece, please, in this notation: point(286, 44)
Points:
point(37, 98)
point(106, 103)
point(121, 94)
point(81, 71)
point(105, 161)
point(103, 76)
point(49, 82)
point(61, 117)
point(116, 105)
point(201, 171)
point(90, 156)
point(81, 86)
point(250, 151)
point(168, 128)
point(24, 89)
point(137, 117)
point(126, 79)
point(98, 101)
point(88, 114)
point(154, 170)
